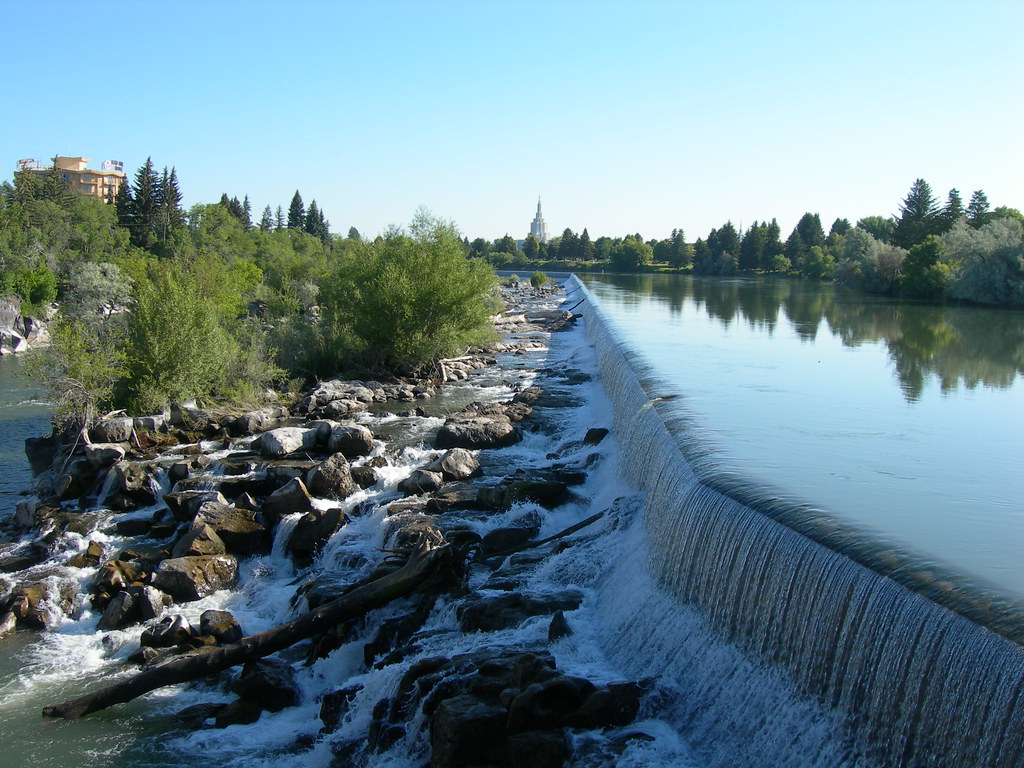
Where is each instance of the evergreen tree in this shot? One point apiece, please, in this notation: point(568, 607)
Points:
point(954, 210)
point(919, 216)
point(125, 206)
point(977, 209)
point(353, 234)
point(812, 234)
point(586, 246)
point(315, 224)
point(795, 247)
point(146, 206)
point(55, 187)
point(296, 212)
point(267, 220)
point(171, 215)
point(279, 218)
point(703, 260)
point(531, 247)
point(840, 227)
point(751, 256)
point(506, 245)
point(247, 214)
point(773, 241)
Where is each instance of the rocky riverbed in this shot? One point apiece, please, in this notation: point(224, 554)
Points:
point(435, 543)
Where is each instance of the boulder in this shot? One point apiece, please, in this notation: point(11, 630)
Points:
point(184, 504)
point(167, 633)
point(595, 435)
point(290, 498)
point(115, 575)
point(269, 683)
point(364, 477)
point(311, 532)
point(548, 704)
point(331, 479)
point(237, 528)
point(27, 603)
point(41, 452)
point(284, 441)
point(420, 482)
point(132, 487)
point(352, 440)
point(456, 464)
point(116, 430)
point(475, 432)
point(221, 625)
point(558, 628)
point(335, 705)
point(88, 559)
point(510, 610)
point(192, 578)
point(538, 749)
point(501, 539)
point(466, 731)
point(102, 455)
point(198, 715)
point(257, 421)
point(200, 539)
point(8, 623)
point(238, 712)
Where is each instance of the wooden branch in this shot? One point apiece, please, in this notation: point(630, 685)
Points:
point(549, 539)
point(421, 566)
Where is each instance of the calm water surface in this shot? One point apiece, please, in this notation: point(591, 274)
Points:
point(902, 419)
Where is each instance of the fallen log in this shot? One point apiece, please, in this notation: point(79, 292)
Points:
point(422, 566)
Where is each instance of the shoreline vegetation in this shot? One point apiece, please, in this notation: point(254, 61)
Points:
point(157, 304)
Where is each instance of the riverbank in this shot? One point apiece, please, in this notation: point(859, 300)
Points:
point(501, 647)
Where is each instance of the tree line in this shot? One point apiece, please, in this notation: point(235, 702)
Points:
point(928, 250)
point(158, 303)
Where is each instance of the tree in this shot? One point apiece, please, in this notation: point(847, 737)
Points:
point(923, 276)
point(751, 256)
point(315, 224)
point(816, 263)
point(531, 247)
point(353, 234)
point(631, 254)
point(987, 264)
point(568, 246)
point(267, 220)
point(919, 216)
point(879, 227)
point(586, 247)
point(296, 212)
point(279, 221)
point(868, 263)
point(953, 211)
point(505, 245)
point(840, 227)
point(247, 213)
point(146, 206)
point(977, 209)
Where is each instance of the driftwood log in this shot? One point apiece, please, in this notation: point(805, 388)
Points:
point(423, 566)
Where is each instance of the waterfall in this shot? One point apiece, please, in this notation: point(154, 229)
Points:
point(876, 673)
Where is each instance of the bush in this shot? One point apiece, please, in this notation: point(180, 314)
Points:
point(538, 279)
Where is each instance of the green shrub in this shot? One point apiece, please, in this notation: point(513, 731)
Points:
point(538, 279)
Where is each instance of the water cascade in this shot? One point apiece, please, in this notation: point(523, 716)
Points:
point(886, 675)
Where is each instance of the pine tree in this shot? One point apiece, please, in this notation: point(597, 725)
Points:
point(247, 214)
point(977, 209)
point(919, 216)
point(811, 232)
point(773, 242)
point(125, 206)
point(296, 212)
point(954, 210)
point(146, 206)
point(353, 234)
point(751, 255)
point(279, 218)
point(171, 215)
point(586, 246)
point(267, 220)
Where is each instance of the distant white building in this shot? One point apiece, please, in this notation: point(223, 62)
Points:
point(538, 228)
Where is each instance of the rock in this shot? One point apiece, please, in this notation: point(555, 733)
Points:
point(101, 455)
point(185, 504)
point(41, 452)
point(311, 532)
point(88, 559)
point(475, 432)
point(335, 705)
point(257, 421)
point(8, 623)
point(510, 610)
point(132, 487)
point(456, 464)
point(115, 575)
point(613, 705)
point(151, 602)
point(558, 628)
point(420, 482)
point(133, 526)
point(116, 430)
point(501, 539)
point(221, 625)
point(467, 731)
point(192, 578)
point(331, 479)
point(26, 603)
point(594, 435)
point(237, 528)
point(290, 498)
point(284, 441)
point(149, 423)
point(269, 683)
point(364, 477)
point(529, 396)
point(199, 715)
point(548, 704)
point(238, 712)
point(352, 440)
point(121, 611)
point(167, 633)
point(537, 749)
point(200, 539)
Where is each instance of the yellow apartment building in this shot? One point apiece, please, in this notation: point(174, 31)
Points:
point(80, 178)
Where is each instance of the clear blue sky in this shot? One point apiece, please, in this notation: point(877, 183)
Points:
point(625, 117)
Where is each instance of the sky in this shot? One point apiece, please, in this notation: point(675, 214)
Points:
point(622, 117)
